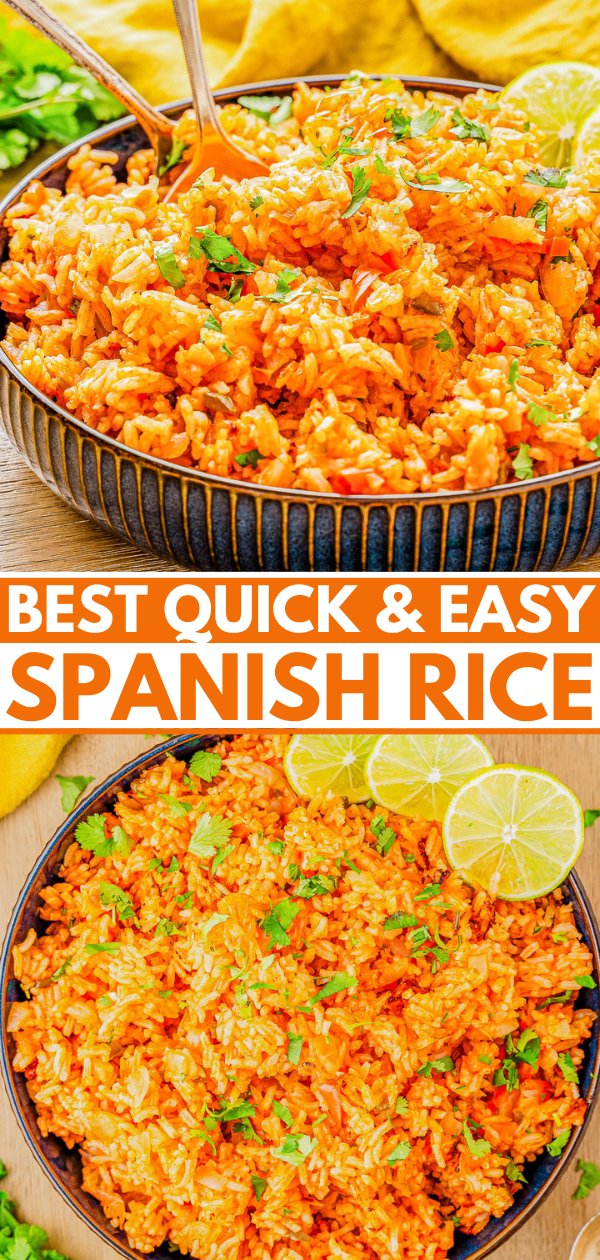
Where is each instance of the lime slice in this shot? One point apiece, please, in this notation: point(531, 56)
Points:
point(418, 774)
point(518, 831)
point(315, 764)
point(587, 143)
point(557, 98)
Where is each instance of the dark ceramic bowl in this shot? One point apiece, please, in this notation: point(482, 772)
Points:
point(206, 522)
point(63, 1167)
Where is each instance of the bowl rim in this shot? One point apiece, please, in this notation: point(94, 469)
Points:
point(196, 475)
point(101, 797)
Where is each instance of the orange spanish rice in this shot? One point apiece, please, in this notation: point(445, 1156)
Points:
point(413, 304)
point(287, 1030)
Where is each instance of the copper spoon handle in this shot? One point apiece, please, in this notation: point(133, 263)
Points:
point(157, 126)
point(216, 148)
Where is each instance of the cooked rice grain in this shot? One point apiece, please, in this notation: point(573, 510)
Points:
point(129, 1054)
point(416, 333)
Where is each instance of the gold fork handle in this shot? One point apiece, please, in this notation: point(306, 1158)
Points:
point(158, 128)
point(189, 30)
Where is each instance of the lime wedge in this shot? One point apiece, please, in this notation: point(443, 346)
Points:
point(587, 143)
point(518, 831)
point(316, 764)
point(418, 774)
point(557, 97)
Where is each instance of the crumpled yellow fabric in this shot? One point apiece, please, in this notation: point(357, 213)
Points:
point(25, 761)
point(250, 40)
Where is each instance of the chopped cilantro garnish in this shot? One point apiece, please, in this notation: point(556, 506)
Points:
point(399, 920)
point(590, 1178)
point(294, 1049)
point(568, 1068)
point(104, 947)
point(538, 414)
point(112, 895)
point(513, 375)
point(259, 1186)
point(249, 457)
point(559, 1142)
point(336, 985)
point(168, 266)
point(360, 191)
point(283, 289)
point(316, 886)
point(443, 340)
point(514, 1173)
point(179, 809)
point(272, 109)
point(275, 924)
point(295, 1149)
point(283, 1113)
point(221, 255)
point(166, 927)
point(210, 834)
point(546, 177)
point(477, 1146)
point(466, 129)
point(590, 816)
point(523, 464)
point(384, 836)
point(205, 764)
point(400, 1152)
point(432, 890)
point(539, 212)
point(256, 201)
point(430, 181)
point(175, 156)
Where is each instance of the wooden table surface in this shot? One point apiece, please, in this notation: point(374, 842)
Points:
point(38, 532)
point(575, 759)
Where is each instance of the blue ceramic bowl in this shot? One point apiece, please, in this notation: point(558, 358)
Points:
point(63, 1167)
point(207, 523)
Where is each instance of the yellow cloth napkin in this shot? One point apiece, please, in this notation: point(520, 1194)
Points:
point(26, 760)
point(249, 40)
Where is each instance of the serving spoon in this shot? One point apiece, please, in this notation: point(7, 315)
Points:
point(216, 149)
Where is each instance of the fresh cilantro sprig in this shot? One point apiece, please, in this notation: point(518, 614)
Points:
point(211, 832)
point(44, 96)
point(91, 835)
point(360, 191)
point(20, 1241)
point(205, 764)
point(467, 129)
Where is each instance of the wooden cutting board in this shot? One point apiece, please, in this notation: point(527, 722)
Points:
point(574, 758)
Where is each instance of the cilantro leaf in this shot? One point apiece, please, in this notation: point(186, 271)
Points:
point(406, 128)
point(168, 266)
point(175, 156)
point(360, 191)
point(400, 1152)
point(399, 920)
point(256, 201)
point(249, 457)
point(316, 886)
point(514, 1173)
point(234, 291)
point(280, 918)
point(212, 922)
point(477, 1146)
point(537, 341)
point(443, 340)
point(513, 375)
point(294, 872)
point(590, 817)
point(430, 181)
point(104, 947)
point(205, 764)
point(336, 985)
point(586, 982)
point(381, 167)
point(590, 1177)
point(559, 1142)
point(401, 1106)
point(539, 212)
point(426, 894)
point(528, 1048)
point(178, 808)
point(166, 927)
point(213, 325)
point(15, 146)
point(295, 1149)
point(559, 997)
point(210, 833)
point(284, 1114)
point(276, 847)
point(272, 109)
point(538, 414)
point(568, 1068)
point(283, 289)
point(523, 464)
point(220, 254)
point(71, 789)
point(121, 842)
point(112, 895)
point(384, 836)
point(220, 857)
point(466, 129)
point(445, 1064)
point(294, 1049)
point(259, 1185)
point(546, 177)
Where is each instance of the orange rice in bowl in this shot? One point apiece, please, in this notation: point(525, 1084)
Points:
point(281, 1029)
point(408, 302)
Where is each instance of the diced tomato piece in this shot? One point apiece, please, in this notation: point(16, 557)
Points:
point(536, 1090)
point(596, 314)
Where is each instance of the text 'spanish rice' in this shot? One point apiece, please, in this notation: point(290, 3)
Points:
point(408, 302)
point(277, 1029)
